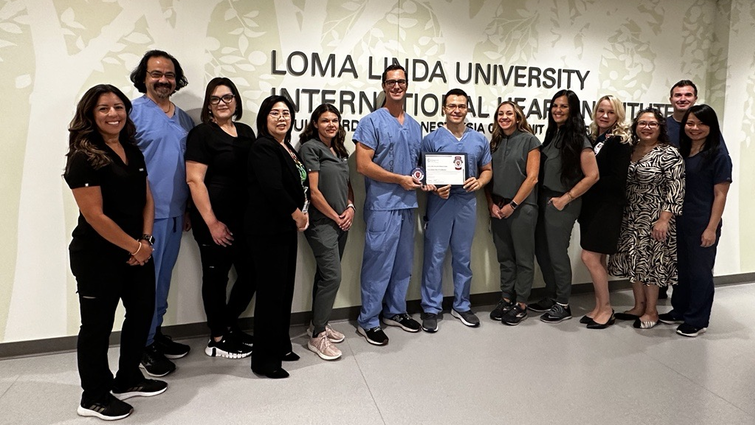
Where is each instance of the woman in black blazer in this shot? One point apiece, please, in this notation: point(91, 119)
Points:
point(274, 215)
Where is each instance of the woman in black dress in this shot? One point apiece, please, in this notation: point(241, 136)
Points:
point(110, 250)
point(603, 204)
point(217, 151)
point(276, 211)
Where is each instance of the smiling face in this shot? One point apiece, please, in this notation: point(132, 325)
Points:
point(226, 103)
point(110, 115)
point(279, 121)
point(648, 128)
point(506, 118)
point(327, 126)
point(456, 109)
point(560, 110)
point(695, 129)
point(160, 79)
point(682, 98)
point(605, 116)
point(395, 85)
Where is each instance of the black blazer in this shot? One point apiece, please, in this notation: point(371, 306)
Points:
point(613, 162)
point(275, 189)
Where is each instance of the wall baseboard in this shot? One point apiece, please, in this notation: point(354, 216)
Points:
point(194, 330)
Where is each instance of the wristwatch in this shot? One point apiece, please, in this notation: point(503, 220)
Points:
point(148, 238)
point(513, 205)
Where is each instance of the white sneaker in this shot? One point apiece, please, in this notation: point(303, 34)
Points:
point(322, 346)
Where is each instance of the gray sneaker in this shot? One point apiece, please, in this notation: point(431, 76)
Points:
point(556, 314)
point(430, 322)
point(467, 317)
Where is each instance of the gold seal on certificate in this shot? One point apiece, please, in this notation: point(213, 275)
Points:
point(444, 168)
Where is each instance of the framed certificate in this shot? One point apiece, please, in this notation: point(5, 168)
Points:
point(443, 168)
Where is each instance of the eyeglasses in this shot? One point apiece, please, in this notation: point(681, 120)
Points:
point(226, 98)
point(275, 114)
point(648, 124)
point(391, 83)
point(157, 75)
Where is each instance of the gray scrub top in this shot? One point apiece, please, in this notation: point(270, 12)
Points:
point(510, 165)
point(551, 164)
point(333, 178)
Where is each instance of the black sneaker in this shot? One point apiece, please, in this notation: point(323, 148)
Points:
point(228, 348)
point(514, 316)
point(501, 309)
point(155, 363)
point(170, 348)
point(670, 319)
point(111, 409)
point(403, 321)
point(542, 306)
point(689, 330)
point(374, 336)
point(467, 318)
point(146, 388)
point(429, 322)
point(556, 314)
point(236, 333)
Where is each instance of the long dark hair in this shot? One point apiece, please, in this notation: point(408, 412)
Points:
point(139, 74)
point(521, 124)
point(84, 136)
point(311, 133)
point(662, 136)
point(266, 107)
point(574, 133)
point(211, 86)
point(707, 116)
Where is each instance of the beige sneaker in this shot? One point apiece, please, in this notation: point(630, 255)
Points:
point(323, 347)
point(333, 335)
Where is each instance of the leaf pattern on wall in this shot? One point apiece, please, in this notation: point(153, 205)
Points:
point(628, 62)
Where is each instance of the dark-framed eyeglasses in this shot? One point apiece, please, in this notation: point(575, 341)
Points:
point(226, 98)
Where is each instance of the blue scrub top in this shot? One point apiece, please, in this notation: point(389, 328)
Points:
point(396, 149)
point(701, 174)
point(162, 140)
point(472, 143)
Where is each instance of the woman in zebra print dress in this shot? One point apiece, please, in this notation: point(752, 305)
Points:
point(655, 194)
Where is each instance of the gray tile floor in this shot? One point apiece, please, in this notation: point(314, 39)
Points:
point(534, 373)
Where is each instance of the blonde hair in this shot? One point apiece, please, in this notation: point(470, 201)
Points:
point(621, 128)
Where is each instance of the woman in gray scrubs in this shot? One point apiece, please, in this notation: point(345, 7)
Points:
point(325, 157)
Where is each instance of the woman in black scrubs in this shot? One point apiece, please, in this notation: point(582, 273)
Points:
point(568, 169)
point(217, 151)
point(603, 204)
point(110, 250)
point(275, 212)
point(707, 177)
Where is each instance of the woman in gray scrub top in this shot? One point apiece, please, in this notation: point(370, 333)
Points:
point(567, 170)
point(325, 157)
point(512, 201)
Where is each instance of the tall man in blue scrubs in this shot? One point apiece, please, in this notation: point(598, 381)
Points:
point(387, 150)
point(161, 130)
point(452, 215)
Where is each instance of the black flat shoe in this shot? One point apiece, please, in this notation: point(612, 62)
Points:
point(595, 325)
point(279, 373)
point(585, 320)
point(626, 316)
point(290, 357)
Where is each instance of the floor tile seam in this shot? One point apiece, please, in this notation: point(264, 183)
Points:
point(715, 394)
point(364, 379)
point(10, 386)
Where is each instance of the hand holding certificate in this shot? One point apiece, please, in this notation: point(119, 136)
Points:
point(442, 168)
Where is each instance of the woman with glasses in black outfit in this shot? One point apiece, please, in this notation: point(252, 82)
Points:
point(275, 212)
point(217, 151)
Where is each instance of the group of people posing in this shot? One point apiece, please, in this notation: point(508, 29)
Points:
point(133, 168)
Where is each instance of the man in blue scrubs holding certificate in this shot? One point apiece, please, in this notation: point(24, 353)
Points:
point(451, 215)
point(387, 150)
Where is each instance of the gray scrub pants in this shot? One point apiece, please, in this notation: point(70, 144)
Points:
point(552, 237)
point(327, 241)
point(514, 240)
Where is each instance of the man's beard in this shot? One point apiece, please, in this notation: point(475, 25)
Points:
point(162, 94)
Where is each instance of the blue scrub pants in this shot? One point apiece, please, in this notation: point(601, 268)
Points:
point(692, 299)
point(386, 264)
point(450, 223)
point(167, 233)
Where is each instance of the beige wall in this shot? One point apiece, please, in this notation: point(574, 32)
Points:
point(51, 51)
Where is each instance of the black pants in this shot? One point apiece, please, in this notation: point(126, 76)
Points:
point(216, 263)
point(274, 259)
point(101, 284)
